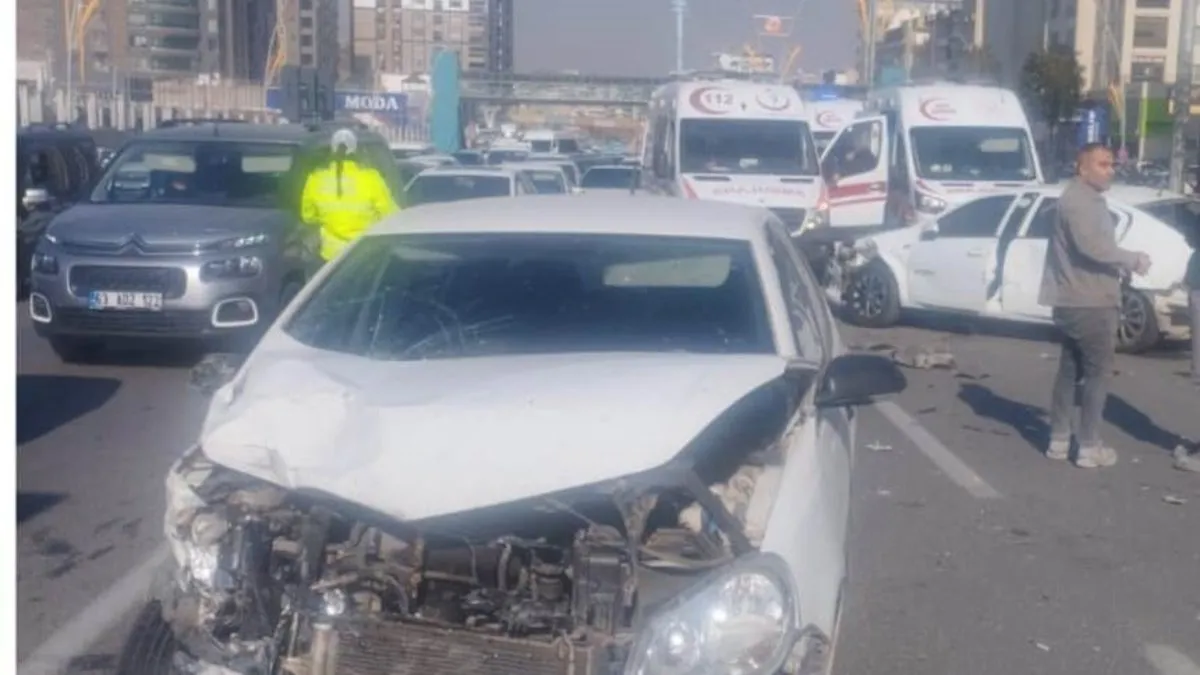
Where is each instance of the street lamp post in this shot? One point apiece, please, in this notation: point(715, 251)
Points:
point(679, 7)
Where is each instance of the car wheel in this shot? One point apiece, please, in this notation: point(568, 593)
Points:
point(873, 298)
point(74, 350)
point(151, 646)
point(1137, 329)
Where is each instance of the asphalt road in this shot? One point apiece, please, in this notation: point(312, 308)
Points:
point(971, 553)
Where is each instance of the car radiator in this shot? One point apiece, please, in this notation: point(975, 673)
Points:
point(379, 648)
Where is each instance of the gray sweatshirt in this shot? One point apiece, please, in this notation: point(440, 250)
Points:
point(1083, 261)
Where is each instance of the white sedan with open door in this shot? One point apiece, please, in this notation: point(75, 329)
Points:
point(986, 258)
point(596, 434)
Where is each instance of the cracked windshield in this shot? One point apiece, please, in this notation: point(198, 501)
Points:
point(636, 337)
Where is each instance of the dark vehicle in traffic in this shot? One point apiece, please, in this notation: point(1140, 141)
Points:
point(609, 178)
point(193, 232)
point(55, 166)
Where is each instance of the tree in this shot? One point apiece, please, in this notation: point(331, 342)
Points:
point(1052, 84)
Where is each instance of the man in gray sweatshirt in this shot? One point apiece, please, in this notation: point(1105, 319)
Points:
point(1082, 283)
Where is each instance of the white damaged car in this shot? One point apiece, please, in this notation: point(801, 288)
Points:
point(986, 256)
point(601, 434)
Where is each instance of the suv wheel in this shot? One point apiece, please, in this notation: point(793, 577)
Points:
point(73, 349)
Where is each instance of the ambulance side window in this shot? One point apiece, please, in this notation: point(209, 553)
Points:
point(852, 153)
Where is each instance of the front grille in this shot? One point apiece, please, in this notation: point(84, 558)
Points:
point(170, 281)
point(792, 218)
point(149, 323)
point(408, 649)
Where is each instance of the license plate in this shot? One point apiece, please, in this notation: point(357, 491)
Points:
point(151, 302)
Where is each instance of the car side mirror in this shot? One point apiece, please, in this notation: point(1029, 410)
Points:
point(35, 197)
point(929, 234)
point(858, 379)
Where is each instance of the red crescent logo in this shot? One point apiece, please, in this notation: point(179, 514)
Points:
point(703, 100)
point(937, 109)
point(829, 120)
point(773, 101)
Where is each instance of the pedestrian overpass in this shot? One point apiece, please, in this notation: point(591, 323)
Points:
point(556, 89)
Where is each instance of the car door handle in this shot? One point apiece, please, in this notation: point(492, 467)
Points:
point(975, 253)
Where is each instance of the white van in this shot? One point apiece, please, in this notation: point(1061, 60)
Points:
point(735, 141)
point(547, 141)
point(829, 116)
point(919, 148)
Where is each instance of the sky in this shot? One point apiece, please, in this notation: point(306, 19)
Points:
point(637, 37)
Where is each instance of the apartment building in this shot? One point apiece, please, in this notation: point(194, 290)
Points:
point(401, 36)
point(310, 29)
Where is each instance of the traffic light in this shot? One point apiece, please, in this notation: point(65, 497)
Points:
point(307, 94)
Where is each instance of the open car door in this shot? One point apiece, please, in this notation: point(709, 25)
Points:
point(855, 167)
point(953, 265)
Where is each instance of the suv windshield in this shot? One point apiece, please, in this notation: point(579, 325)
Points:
point(447, 188)
point(973, 153)
point(763, 147)
point(1183, 215)
point(208, 172)
point(450, 295)
point(547, 181)
point(603, 177)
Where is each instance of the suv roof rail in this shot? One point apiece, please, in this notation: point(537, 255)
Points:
point(196, 121)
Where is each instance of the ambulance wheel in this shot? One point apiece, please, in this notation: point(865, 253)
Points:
point(872, 298)
point(1137, 328)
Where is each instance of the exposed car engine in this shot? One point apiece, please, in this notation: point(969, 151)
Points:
point(271, 580)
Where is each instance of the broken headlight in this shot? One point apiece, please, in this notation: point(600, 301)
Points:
point(740, 621)
point(193, 532)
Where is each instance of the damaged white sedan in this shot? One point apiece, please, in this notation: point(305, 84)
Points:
point(605, 434)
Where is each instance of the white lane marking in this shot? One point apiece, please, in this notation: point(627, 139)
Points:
point(940, 455)
point(88, 626)
point(1170, 661)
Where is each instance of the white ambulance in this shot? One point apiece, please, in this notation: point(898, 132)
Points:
point(916, 149)
point(829, 116)
point(735, 141)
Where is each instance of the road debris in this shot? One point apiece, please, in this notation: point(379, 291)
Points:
point(1172, 499)
point(1041, 645)
point(924, 358)
point(879, 447)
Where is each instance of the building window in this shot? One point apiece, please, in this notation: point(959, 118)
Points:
point(1151, 32)
point(437, 36)
point(306, 4)
point(306, 22)
point(306, 59)
point(1053, 8)
point(1154, 4)
point(306, 40)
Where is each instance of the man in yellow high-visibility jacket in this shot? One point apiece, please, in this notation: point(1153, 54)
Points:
point(344, 198)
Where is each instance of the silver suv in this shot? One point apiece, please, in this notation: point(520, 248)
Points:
point(193, 232)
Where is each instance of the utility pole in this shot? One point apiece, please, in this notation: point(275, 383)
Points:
point(679, 7)
point(1183, 94)
point(871, 37)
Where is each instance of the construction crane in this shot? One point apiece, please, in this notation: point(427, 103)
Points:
point(277, 47)
point(78, 21)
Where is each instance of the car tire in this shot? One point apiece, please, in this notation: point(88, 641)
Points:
point(74, 350)
point(872, 298)
point(1137, 327)
point(150, 648)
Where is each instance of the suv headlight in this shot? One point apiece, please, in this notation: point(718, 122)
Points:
point(238, 243)
point(741, 620)
point(232, 268)
point(44, 263)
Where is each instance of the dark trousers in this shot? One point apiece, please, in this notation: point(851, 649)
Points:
point(1089, 340)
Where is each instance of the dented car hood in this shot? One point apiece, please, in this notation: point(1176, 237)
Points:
point(418, 439)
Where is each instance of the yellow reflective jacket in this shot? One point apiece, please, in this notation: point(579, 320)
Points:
point(364, 200)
